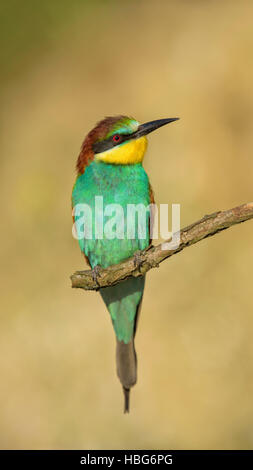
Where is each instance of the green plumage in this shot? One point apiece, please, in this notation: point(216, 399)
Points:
point(111, 201)
point(121, 185)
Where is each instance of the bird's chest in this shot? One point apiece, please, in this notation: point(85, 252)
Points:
point(116, 184)
point(109, 191)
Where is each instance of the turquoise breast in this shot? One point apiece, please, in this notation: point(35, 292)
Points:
point(112, 184)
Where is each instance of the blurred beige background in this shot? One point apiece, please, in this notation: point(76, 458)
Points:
point(66, 65)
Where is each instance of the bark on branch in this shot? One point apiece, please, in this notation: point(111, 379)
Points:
point(147, 259)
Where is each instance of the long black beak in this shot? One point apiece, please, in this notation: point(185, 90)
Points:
point(151, 126)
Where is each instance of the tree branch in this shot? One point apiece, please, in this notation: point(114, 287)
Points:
point(208, 226)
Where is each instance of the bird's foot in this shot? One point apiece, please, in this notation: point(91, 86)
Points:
point(96, 274)
point(138, 259)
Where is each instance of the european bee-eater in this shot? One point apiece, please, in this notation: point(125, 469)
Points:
point(110, 165)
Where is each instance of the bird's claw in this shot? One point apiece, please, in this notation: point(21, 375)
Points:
point(96, 274)
point(138, 259)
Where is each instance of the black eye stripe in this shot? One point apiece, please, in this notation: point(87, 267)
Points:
point(107, 144)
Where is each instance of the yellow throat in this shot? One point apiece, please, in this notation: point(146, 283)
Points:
point(126, 154)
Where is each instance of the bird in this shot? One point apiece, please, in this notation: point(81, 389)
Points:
point(110, 166)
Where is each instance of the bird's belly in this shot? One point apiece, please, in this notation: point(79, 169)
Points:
point(117, 242)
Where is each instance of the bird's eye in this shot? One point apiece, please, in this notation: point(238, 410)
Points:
point(116, 138)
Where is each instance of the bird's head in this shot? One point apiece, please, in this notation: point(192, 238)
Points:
point(118, 140)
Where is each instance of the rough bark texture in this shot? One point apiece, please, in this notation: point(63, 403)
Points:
point(147, 259)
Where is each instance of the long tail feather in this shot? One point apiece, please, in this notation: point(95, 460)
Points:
point(126, 368)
